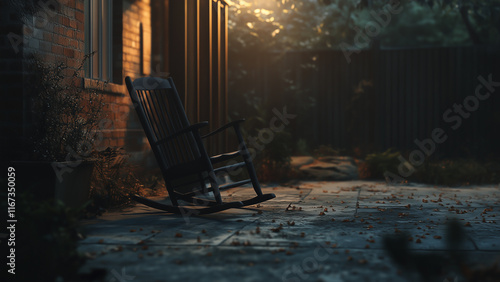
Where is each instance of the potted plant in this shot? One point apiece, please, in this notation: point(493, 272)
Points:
point(65, 120)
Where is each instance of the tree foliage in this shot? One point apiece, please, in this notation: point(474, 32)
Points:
point(325, 24)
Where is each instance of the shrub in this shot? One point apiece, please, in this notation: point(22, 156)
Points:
point(376, 164)
point(65, 115)
point(457, 172)
point(115, 179)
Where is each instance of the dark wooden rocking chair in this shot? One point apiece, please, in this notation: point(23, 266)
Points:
point(180, 152)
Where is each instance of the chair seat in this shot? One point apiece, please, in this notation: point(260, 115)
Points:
point(224, 157)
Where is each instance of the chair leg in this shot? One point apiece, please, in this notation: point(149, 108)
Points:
point(211, 174)
point(171, 194)
point(215, 187)
point(248, 161)
point(203, 185)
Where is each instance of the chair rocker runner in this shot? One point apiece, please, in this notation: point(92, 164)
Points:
point(181, 155)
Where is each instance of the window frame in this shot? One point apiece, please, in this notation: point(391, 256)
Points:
point(99, 27)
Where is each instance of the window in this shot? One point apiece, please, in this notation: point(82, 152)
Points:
point(98, 39)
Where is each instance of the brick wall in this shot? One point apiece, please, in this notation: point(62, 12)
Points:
point(136, 16)
point(131, 57)
point(134, 52)
point(51, 31)
point(55, 32)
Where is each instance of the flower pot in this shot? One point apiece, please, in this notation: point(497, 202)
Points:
point(65, 181)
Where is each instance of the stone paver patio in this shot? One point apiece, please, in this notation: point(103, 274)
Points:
point(314, 231)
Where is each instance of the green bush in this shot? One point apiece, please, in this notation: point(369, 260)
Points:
point(457, 172)
point(376, 164)
point(324, 150)
point(448, 172)
point(115, 179)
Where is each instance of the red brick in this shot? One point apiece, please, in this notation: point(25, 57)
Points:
point(64, 41)
point(72, 24)
point(79, 16)
point(72, 63)
point(64, 20)
point(70, 33)
point(80, 6)
point(47, 36)
point(57, 49)
point(59, 29)
point(73, 44)
point(71, 4)
point(80, 35)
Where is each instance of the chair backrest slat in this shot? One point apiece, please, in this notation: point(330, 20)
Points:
point(161, 106)
point(162, 114)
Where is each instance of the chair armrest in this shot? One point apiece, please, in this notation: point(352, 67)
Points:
point(184, 130)
point(224, 127)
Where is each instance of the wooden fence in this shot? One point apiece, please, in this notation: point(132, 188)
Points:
point(387, 98)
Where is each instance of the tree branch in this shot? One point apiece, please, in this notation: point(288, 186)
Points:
point(464, 12)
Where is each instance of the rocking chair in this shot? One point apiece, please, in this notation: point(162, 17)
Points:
point(181, 155)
